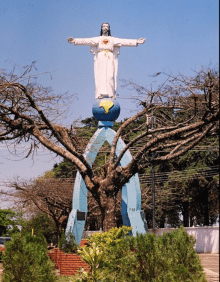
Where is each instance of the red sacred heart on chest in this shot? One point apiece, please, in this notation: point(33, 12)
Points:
point(105, 41)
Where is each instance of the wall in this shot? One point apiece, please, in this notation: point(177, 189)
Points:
point(207, 237)
point(89, 233)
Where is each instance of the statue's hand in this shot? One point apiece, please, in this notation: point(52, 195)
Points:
point(70, 40)
point(141, 40)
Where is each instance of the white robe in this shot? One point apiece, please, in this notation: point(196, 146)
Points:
point(105, 50)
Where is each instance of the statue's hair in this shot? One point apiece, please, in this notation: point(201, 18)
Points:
point(109, 31)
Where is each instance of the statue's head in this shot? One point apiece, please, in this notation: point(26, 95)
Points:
point(105, 28)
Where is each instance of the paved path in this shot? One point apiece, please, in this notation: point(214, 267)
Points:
point(210, 262)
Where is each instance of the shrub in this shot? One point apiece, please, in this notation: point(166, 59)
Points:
point(110, 238)
point(68, 244)
point(25, 259)
point(94, 257)
point(170, 257)
point(1, 254)
point(98, 257)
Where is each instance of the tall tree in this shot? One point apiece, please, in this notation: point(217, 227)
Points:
point(6, 219)
point(41, 224)
point(195, 179)
point(49, 196)
point(186, 109)
point(187, 186)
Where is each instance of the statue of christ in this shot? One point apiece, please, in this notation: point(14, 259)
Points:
point(105, 49)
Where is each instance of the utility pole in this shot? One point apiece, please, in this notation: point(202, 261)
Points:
point(153, 195)
point(153, 177)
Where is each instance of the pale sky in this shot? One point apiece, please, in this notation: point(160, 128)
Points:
point(181, 36)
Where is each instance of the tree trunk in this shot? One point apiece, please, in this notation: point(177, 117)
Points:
point(59, 231)
point(161, 222)
point(186, 214)
point(206, 208)
point(109, 216)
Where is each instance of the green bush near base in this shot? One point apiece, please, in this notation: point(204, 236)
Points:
point(25, 260)
point(1, 254)
point(167, 258)
point(170, 257)
point(68, 244)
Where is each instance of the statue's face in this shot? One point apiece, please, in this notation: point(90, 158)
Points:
point(105, 28)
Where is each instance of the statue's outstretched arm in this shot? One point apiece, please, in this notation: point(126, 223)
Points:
point(119, 42)
point(141, 40)
point(93, 41)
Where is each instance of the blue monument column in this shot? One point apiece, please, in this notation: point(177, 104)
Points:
point(106, 111)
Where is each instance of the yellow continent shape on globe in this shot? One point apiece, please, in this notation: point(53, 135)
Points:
point(107, 105)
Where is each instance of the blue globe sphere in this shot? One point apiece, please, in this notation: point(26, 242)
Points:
point(106, 109)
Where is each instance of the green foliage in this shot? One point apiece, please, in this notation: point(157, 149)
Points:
point(195, 182)
point(10, 232)
point(6, 216)
point(92, 255)
point(115, 256)
point(170, 257)
point(110, 238)
point(90, 123)
point(25, 259)
point(68, 244)
point(48, 174)
point(42, 225)
point(191, 187)
point(65, 278)
point(99, 254)
point(65, 169)
point(1, 254)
